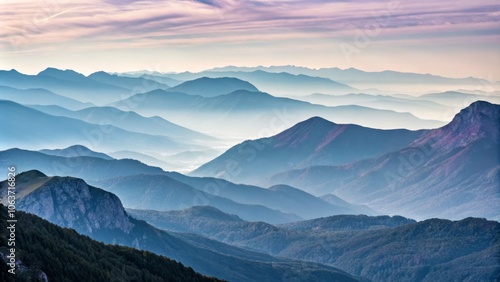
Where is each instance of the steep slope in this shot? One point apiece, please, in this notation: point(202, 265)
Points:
point(60, 254)
point(312, 142)
point(35, 130)
point(211, 87)
point(380, 248)
point(75, 151)
point(450, 172)
point(75, 203)
point(40, 96)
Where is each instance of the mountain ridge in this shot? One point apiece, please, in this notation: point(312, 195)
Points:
point(314, 141)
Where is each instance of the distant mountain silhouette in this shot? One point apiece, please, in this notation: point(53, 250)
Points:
point(131, 121)
point(137, 84)
point(419, 107)
point(245, 113)
point(67, 83)
point(39, 96)
point(210, 87)
point(284, 198)
point(459, 99)
point(35, 130)
point(75, 151)
point(281, 84)
point(315, 141)
point(85, 167)
point(388, 79)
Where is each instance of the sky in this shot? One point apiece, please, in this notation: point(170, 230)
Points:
point(449, 38)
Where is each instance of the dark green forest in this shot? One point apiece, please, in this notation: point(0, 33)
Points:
point(64, 255)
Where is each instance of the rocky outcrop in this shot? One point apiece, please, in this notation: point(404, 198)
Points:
point(70, 202)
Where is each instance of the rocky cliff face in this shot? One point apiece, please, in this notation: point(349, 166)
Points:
point(478, 122)
point(70, 202)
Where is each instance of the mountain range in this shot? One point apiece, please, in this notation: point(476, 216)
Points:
point(388, 79)
point(211, 87)
point(142, 186)
point(130, 121)
point(449, 172)
point(70, 202)
point(280, 84)
point(40, 96)
point(244, 113)
point(276, 173)
point(46, 129)
point(315, 141)
point(379, 248)
point(75, 85)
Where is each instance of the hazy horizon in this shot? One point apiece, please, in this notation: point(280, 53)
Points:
point(193, 36)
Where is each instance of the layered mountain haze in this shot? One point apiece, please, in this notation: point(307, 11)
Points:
point(40, 96)
point(66, 83)
point(243, 113)
point(85, 167)
point(84, 208)
point(421, 108)
point(388, 80)
point(141, 186)
point(450, 172)
point(45, 129)
point(315, 141)
point(275, 173)
point(75, 151)
point(160, 192)
point(137, 84)
point(131, 121)
point(282, 197)
point(211, 87)
point(281, 84)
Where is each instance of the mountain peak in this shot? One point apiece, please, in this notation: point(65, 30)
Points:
point(210, 87)
point(76, 151)
point(62, 74)
point(479, 113)
point(479, 121)
point(310, 125)
point(481, 107)
point(30, 174)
